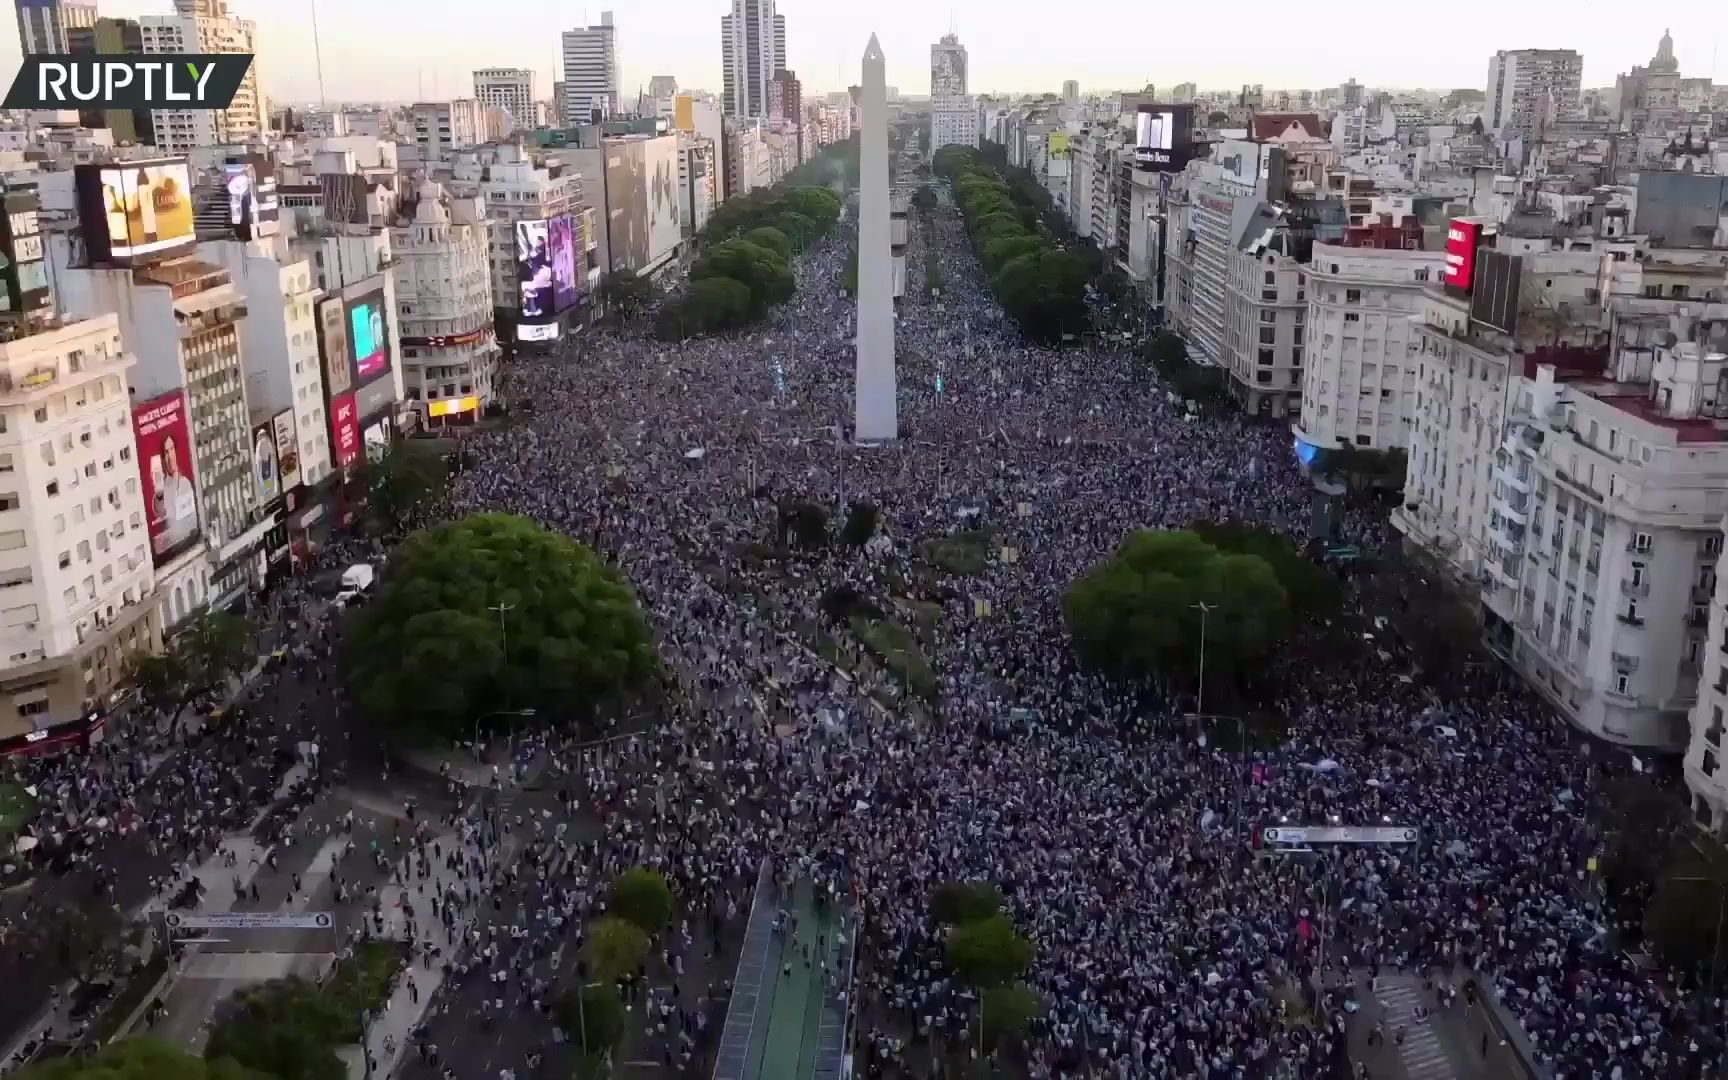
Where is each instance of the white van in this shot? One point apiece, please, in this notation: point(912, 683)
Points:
point(356, 580)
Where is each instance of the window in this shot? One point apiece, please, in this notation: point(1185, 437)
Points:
point(1353, 296)
point(41, 414)
point(1352, 316)
point(1268, 335)
point(1364, 440)
point(65, 559)
point(1268, 316)
point(1642, 543)
point(12, 541)
point(1623, 684)
point(1422, 274)
point(8, 500)
point(1268, 357)
point(53, 488)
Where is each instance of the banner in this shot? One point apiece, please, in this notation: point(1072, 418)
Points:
point(287, 449)
point(159, 430)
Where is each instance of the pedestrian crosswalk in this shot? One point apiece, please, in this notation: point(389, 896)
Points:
point(1423, 1056)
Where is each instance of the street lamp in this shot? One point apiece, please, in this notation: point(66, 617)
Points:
point(1204, 609)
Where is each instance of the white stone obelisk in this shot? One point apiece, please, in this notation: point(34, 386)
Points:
point(874, 412)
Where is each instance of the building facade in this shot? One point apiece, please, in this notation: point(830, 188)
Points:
point(510, 89)
point(752, 50)
point(953, 115)
point(592, 86)
point(76, 575)
point(444, 296)
point(205, 26)
point(1528, 88)
point(441, 128)
point(44, 26)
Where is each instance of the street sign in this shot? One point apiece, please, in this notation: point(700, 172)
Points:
point(1358, 834)
point(252, 920)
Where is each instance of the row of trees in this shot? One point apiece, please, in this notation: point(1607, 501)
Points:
point(503, 617)
point(986, 952)
point(1142, 612)
point(1040, 285)
point(592, 1013)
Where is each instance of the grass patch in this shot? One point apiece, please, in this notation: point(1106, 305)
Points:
point(924, 614)
point(16, 808)
point(139, 986)
point(965, 554)
point(898, 650)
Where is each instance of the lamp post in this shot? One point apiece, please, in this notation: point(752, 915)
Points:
point(1204, 609)
point(503, 635)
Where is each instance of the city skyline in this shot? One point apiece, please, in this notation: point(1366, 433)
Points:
point(433, 48)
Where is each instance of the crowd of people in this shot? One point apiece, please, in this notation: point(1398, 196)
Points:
point(1120, 837)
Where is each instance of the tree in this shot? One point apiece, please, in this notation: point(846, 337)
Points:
point(615, 948)
point(592, 1017)
point(137, 1059)
point(762, 270)
point(955, 902)
point(988, 952)
point(641, 896)
point(288, 1028)
point(1312, 592)
point(402, 483)
point(215, 648)
point(626, 294)
point(1006, 1011)
point(497, 613)
point(1647, 824)
point(803, 523)
point(849, 274)
point(771, 238)
point(1138, 612)
point(861, 522)
point(160, 679)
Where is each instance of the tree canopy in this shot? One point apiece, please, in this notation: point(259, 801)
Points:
point(213, 649)
point(988, 952)
point(1040, 285)
point(641, 896)
point(491, 613)
point(955, 902)
point(137, 1059)
point(614, 948)
point(1138, 613)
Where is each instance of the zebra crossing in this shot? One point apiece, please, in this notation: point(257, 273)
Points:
point(1421, 1053)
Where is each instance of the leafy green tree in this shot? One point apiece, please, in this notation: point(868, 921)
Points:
point(615, 948)
point(496, 612)
point(1137, 613)
point(803, 523)
point(215, 648)
point(161, 680)
point(287, 1027)
point(988, 952)
point(403, 483)
point(626, 294)
point(762, 270)
point(953, 903)
point(1313, 593)
point(1647, 827)
point(849, 275)
point(1006, 1012)
point(771, 238)
point(593, 1018)
point(861, 522)
point(641, 896)
point(138, 1059)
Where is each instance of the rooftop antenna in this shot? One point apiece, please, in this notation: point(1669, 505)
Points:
point(318, 55)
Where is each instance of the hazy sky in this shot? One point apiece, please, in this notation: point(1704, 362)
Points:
point(406, 49)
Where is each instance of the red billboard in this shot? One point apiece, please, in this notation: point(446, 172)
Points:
point(1462, 238)
point(164, 442)
point(344, 430)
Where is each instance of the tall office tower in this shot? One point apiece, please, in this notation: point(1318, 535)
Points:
point(662, 86)
point(510, 89)
point(205, 26)
point(752, 50)
point(875, 416)
point(953, 117)
point(591, 74)
point(43, 24)
point(1528, 88)
point(1071, 92)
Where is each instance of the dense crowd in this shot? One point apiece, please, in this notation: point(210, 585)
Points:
point(1120, 837)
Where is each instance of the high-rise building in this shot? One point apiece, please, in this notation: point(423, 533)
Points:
point(510, 89)
point(44, 25)
point(205, 26)
point(662, 86)
point(1071, 92)
point(953, 117)
point(591, 74)
point(113, 37)
point(1529, 88)
point(785, 98)
point(444, 286)
point(75, 548)
point(752, 50)
point(443, 127)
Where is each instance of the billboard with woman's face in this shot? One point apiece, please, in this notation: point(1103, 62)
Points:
point(561, 241)
point(538, 293)
point(164, 442)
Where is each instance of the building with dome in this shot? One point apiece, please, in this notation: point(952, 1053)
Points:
point(1655, 99)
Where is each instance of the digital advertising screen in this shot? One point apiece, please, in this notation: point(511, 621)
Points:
point(137, 212)
point(1163, 135)
point(333, 343)
point(534, 275)
point(1462, 239)
point(344, 430)
point(266, 462)
point(368, 337)
point(164, 442)
point(287, 448)
point(561, 239)
point(537, 331)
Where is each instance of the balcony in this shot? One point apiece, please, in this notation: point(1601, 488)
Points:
point(1637, 590)
point(1631, 620)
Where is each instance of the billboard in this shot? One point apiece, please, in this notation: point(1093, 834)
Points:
point(333, 343)
point(368, 336)
point(375, 397)
point(947, 71)
point(1058, 144)
point(164, 442)
point(537, 331)
point(266, 462)
point(642, 195)
point(1239, 161)
point(537, 295)
point(287, 448)
point(1163, 137)
point(1462, 238)
point(137, 212)
point(344, 430)
point(253, 206)
point(561, 239)
point(1498, 279)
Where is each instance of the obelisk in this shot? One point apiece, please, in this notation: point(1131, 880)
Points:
point(874, 413)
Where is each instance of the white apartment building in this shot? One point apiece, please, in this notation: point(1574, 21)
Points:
point(510, 89)
point(1359, 386)
point(76, 577)
point(205, 26)
point(592, 76)
point(953, 115)
point(752, 51)
point(514, 187)
point(1529, 88)
point(444, 296)
point(747, 159)
point(279, 342)
point(443, 127)
point(43, 24)
point(697, 179)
